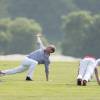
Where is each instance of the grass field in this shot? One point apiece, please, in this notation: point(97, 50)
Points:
point(62, 84)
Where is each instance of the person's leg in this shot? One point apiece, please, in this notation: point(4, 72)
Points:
point(14, 70)
point(88, 74)
point(25, 64)
point(31, 69)
point(82, 69)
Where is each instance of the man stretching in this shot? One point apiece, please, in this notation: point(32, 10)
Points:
point(40, 56)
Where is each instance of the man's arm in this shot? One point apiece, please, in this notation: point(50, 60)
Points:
point(78, 68)
point(47, 71)
point(96, 75)
point(40, 42)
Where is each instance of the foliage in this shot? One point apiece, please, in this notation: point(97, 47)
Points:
point(88, 5)
point(3, 8)
point(17, 35)
point(81, 30)
point(48, 14)
point(45, 12)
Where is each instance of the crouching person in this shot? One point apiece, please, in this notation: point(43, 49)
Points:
point(88, 65)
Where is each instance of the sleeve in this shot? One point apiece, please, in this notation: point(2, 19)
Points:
point(39, 42)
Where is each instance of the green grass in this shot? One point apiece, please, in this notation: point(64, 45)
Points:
point(62, 84)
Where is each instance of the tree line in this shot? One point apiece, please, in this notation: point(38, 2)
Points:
point(82, 34)
point(80, 19)
point(18, 35)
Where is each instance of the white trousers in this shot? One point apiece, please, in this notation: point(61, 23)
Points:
point(86, 69)
point(26, 64)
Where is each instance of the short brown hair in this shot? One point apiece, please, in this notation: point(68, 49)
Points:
point(53, 48)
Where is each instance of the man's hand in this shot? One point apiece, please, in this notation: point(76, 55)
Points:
point(97, 76)
point(98, 81)
point(39, 34)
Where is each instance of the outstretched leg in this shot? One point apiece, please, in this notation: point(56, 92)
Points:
point(19, 69)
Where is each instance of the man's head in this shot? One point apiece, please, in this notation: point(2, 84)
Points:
point(50, 49)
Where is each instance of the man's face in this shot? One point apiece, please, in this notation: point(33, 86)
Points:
point(50, 50)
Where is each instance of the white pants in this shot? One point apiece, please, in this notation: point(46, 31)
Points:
point(86, 69)
point(26, 64)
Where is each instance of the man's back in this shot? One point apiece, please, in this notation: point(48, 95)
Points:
point(40, 56)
